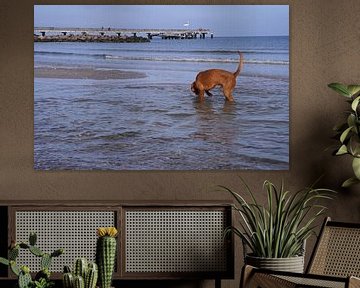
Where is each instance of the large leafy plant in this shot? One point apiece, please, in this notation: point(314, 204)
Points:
point(279, 229)
point(348, 132)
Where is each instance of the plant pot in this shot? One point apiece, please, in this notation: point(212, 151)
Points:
point(291, 264)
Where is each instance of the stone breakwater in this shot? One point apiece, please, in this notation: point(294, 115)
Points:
point(89, 38)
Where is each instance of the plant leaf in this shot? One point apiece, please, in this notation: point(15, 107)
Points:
point(349, 182)
point(355, 103)
point(279, 228)
point(340, 88)
point(342, 150)
point(4, 261)
point(356, 167)
point(14, 268)
point(353, 89)
point(345, 134)
point(354, 145)
point(351, 120)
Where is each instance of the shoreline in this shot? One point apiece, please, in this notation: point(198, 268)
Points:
point(85, 73)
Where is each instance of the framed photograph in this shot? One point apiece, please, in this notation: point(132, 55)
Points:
point(161, 87)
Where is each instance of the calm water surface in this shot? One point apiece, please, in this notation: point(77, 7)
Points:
point(156, 123)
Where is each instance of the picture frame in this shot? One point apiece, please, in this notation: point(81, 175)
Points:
point(109, 97)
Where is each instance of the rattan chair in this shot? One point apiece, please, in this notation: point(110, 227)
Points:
point(334, 263)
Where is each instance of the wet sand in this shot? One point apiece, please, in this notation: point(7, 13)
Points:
point(85, 73)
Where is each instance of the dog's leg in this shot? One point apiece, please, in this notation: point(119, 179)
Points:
point(201, 95)
point(229, 97)
point(208, 93)
point(228, 91)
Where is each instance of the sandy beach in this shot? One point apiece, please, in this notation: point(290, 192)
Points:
point(85, 73)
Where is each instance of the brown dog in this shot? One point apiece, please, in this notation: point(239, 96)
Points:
point(208, 79)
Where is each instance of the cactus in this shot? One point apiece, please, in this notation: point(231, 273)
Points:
point(24, 245)
point(24, 280)
point(79, 282)
point(25, 269)
point(57, 252)
point(67, 269)
point(13, 253)
point(4, 261)
point(91, 276)
point(32, 238)
point(36, 251)
point(43, 274)
point(105, 254)
point(45, 261)
point(14, 268)
point(68, 280)
point(42, 278)
point(80, 268)
point(89, 272)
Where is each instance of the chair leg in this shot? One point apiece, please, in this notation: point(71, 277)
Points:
point(217, 282)
point(246, 274)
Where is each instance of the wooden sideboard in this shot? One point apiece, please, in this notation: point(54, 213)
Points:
point(157, 240)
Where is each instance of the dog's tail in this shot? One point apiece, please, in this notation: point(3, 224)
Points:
point(241, 61)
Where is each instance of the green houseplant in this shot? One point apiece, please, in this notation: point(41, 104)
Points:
point(348, 132)
point(279, 229)
point(42, 278)
point(106, 254)
point(84, 274)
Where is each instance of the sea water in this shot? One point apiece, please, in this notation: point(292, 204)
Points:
point(156, 122)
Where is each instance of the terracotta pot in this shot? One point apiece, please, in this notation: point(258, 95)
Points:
point(291, 264)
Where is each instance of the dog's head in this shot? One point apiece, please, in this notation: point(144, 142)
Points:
point(194, 88)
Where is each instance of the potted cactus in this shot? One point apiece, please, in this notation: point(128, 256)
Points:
point(84, 275)
point(106, 254)
point(42, 278)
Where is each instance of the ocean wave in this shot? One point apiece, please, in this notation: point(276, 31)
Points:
point(173, 51)
point(166, 58)
point(212, 60)
point(68, 54)
point(224, 52)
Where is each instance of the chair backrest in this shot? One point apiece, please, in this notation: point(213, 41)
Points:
point(337, 251)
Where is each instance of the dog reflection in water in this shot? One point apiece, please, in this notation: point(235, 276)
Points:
point(209, 79)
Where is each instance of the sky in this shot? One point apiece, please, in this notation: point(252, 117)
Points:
point(222, 20)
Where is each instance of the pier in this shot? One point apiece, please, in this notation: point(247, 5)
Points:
point(119, 32)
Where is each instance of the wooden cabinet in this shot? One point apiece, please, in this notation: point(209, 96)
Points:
point(167, 240)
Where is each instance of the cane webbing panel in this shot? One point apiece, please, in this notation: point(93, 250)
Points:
point(74, 231)
point(313, 282)
point(175, 241)
point(267, 280)
point(338, 252)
